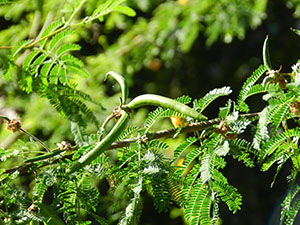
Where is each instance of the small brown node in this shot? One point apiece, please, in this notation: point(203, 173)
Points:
point(14, 125)
point(64, 145)
point(32, 208)
point(225, 131)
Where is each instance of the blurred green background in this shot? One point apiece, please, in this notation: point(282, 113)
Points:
point(171, 48)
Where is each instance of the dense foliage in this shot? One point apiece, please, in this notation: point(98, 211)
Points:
point(51, 87)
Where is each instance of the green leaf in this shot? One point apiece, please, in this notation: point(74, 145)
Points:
point(222, 150)
point(296, 31)
point(133, 204)
point(201, 104)
point(199, 206)
point(262, 133)
point(181, 148)
point(227, 193)
point(29, 59)
point(275, 142)
point(19, 47)
point(58, 38)
point(247, 86)
point(290, 206)
point(51, 28)
point(67, 48)
point(125, 10)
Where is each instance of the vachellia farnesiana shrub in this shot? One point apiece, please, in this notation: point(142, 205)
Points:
point(191, 179)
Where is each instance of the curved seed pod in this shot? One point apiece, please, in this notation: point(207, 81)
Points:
point(45, 156)
point(157, 100)
point(124, 87)
point(266, 54)
point(103, 145)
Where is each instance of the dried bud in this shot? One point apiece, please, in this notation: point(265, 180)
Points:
point(32, 208)
point(223, 129)
point(230, 136)
point(64, 145)
point(116, 112)
point(281, 81)
point(13, 125)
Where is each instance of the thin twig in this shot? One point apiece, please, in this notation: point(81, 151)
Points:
point(199, 126)
point(106, 121)
point(35, 138)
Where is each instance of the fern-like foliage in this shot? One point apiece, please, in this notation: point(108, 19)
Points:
point(279, 145)
point(201, 188)
point(66, 100)
point(128, 132)
point(47, 70)
point(248, 89)
point(209, 163)
point(51, 61)
point(80, 137)
point(40, 190)
point(201, 104)
point(243, 150)
point(9, 67)
point(132, 211)
point(161, 192)
point(290, 206)
point(199, 205)
point(175, 189)
point(275, 113)
point(108, 7)
point(226, 192)
point(184, 146)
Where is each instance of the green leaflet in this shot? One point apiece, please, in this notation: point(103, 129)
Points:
point(51, 28)
point(201, 104)
point(181, 148)
point(226, 192)
point(290, 206)
point(19, 47)
point(275, 142)
point(247, 89)
point(134, 203)
point(108, 7)
point(198, 206)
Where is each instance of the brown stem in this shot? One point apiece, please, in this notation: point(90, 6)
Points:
point(199, 126)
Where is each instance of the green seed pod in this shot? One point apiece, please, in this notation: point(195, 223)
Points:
point(45, 156)
point(157, 100)
point(266, 55)
point(103, 145)
point(124, 87)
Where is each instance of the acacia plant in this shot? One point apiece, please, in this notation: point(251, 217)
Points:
point(63, 181)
